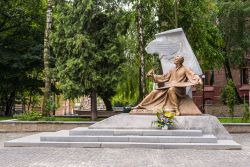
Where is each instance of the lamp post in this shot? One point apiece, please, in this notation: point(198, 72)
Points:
point(203, 94)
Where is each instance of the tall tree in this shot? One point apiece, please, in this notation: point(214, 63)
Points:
point(86, 43)
point(21, 31)
point(46, 58)
point(176, 5)
point(141, 45)
point(198, 19)
point(234, 25)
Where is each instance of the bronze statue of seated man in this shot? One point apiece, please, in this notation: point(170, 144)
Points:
point(174, 91)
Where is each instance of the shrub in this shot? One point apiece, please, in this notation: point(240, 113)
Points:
point(228, 96)
point(29, 116)
point(246, 113)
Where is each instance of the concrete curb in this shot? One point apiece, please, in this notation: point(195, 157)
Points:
point(51, 126)
point(237, 127)
point(40, 126)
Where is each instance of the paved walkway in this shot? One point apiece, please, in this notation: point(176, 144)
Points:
point(106, 157)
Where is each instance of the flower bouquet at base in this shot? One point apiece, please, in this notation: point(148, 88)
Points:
point(165, 119)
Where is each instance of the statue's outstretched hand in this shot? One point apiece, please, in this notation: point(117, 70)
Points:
point(150, 73)
point(200, 81)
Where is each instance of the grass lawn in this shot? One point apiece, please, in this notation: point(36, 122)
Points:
point(74, 119)
point(233, 120)
point(5, 117)
point(65, 119)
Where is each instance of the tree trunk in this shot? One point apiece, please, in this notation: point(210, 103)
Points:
point(107, 103)
point(248, 70)
point(54, 104)
point(176, 13)
point(93, 97)
point(9, 103)
point(29, 103)
point(140, 31)
point(229, 76)
point(46, 58)
point(2, 105)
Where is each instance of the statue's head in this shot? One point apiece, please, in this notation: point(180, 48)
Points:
point(178, 59)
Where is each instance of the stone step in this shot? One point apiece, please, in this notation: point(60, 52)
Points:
point(220, 145)
point(34, 141)
point(141, 139)
point(132, 132)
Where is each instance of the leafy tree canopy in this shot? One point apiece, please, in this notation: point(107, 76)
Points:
point(86, 42)
point(234, 24)
point(21, 35)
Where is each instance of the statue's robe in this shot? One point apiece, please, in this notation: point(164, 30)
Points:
point(173, 95)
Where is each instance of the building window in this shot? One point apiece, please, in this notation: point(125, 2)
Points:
point(208, 102)
point(244, 76)
point(209, 78)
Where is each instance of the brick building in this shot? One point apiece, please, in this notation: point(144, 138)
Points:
point(215, 80)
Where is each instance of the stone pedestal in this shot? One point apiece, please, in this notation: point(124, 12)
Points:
point(207, 123)
point(136, 131)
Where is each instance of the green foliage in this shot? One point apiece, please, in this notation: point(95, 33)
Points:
point(36, 116)
point(47, 107)
point(128, 86)
point(228, 96)
point(86, 43)
point(5, 117)
point(74, 119)
point(198, 19)
point(29, 116)
point(95, 43)
point(21, 44)
point(233, 120)
point(246, 113)
point(235, 28)
point(52, 118)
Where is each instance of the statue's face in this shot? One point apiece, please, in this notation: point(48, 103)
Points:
point(177, 60)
